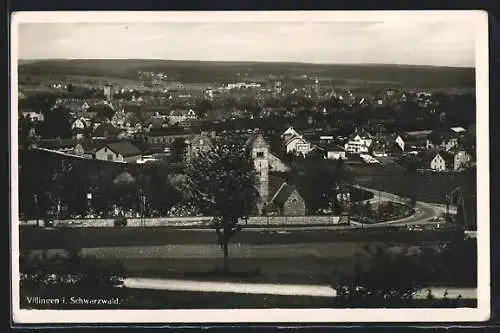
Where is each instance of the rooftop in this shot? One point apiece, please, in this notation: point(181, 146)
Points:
point(125, 148)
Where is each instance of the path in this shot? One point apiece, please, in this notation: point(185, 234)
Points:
point(271, 289)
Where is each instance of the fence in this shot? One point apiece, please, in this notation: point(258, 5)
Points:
point(202, 221)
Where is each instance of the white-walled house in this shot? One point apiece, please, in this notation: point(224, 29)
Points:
point(334, 152)
point(359, 142)
point(179, 116)
point(295, 143)
point(442, 161)
point(121, 151)
point(298, 145)
point(400, 142)
point(33, 115)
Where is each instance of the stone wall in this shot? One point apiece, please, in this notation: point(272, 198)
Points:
point(200, 221)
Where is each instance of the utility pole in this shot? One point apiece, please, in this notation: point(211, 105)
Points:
point(37, 210)
point(141, 198)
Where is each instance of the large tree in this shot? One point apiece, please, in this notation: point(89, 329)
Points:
point(222, 184)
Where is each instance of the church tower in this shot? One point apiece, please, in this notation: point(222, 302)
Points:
point(260, 152)
point(316, 87)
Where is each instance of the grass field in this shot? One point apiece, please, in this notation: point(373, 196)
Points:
point(32, 238)
point(428, 187)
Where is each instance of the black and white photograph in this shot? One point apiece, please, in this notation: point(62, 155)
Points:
point(230, 167)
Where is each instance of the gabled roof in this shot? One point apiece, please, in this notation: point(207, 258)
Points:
point(334, 147)
point(275, 183)
point(290, 131)
point(86, 122)
point(362, 134)
point(91, 146)
point(283, 193)
point(105, 129)
point(448, 158)
point(438, 136)
point(124, 148)
point(293, 138)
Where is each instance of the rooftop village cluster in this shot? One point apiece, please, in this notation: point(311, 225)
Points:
point(130, 125)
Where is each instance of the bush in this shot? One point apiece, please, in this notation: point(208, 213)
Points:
point(120, 222)
point(72, 274)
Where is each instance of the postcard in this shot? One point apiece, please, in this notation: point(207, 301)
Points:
point(254, 167)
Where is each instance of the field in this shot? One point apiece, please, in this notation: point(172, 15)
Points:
point(271, 257)
point(427, 186)
point(33, 238)
point(196, 71)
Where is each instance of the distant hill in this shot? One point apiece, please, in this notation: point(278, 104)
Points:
point(201, 71)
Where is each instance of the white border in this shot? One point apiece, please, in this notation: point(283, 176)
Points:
point(477, 18)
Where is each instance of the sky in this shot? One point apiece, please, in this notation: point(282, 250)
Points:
point(435, 43)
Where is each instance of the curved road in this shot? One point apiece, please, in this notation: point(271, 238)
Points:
point(424, 212)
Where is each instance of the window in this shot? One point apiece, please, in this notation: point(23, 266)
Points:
point(110, 157)
point(294, 200)
point(260, 154)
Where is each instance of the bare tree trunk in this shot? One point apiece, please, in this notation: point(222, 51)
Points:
point(226, 256)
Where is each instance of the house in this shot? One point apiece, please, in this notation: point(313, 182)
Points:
point(442, 139)
point(198, 143)
point(33, 115)
point(295, 143)
point(289, 201)
point(80, 123)
point(105, 130)
point(415, 140)
point(164, 135)
point(400, 142)
point(442, 161)
point(87, 148)
point(289, 133)
point(334, 152)
point(358, 142)
point(298, 145)
point(120, 151)
point(178, 116)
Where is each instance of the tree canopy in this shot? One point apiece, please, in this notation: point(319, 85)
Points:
point(222, 183)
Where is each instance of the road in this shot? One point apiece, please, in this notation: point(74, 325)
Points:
point(274, 289)
point(424, 212)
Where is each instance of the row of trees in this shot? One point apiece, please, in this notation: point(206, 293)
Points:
point(51, 186)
